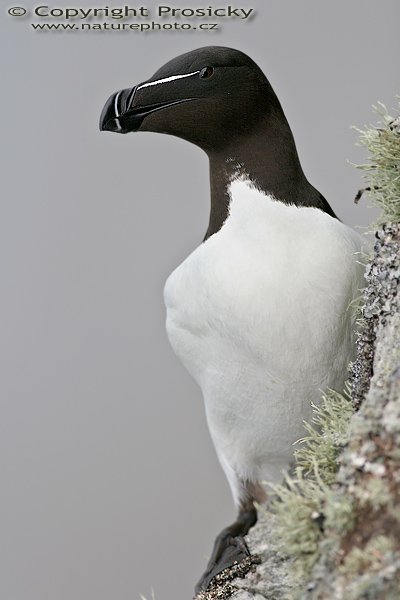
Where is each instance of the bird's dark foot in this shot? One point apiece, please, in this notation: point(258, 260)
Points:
point(228, 551)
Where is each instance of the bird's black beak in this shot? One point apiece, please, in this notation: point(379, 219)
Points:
point(122, 114)
point(118, 114)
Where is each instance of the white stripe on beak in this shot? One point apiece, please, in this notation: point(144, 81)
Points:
point(116, 104)
point(167, 79)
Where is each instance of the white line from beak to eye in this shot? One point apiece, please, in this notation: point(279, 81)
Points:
point(116, 104)
point(167, 79)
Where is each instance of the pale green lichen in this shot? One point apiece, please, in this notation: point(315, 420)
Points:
point(297, 508)
point(362, 570)
point(370, 557)
point(382, 171)
point(375, 493)
point(306, 504)
point(327, 435)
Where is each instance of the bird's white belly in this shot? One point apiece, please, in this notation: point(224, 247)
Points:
point(259, 316)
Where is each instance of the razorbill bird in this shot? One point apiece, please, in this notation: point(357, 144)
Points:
point(259, 312)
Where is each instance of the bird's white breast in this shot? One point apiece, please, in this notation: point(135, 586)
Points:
point(259, 314)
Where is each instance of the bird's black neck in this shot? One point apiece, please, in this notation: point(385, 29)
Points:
point(268, 157)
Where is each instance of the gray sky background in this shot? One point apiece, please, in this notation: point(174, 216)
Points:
point(109, 482)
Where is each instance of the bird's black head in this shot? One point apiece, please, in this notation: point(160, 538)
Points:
point(209, 97)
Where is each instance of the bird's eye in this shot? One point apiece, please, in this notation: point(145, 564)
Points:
point(206, 73)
